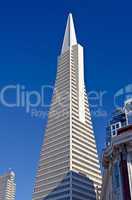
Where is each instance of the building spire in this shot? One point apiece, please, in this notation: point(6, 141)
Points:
point(70, 35)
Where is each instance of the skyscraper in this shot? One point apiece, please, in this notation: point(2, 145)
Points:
point(69, 166)
point(7, 186)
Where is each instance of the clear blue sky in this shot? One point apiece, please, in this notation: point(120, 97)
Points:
point(31, 34)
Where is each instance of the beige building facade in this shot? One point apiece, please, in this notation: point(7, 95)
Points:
point(69, 166)
point(7, 186)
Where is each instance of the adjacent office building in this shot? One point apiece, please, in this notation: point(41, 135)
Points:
point(7, 186)
point(117, 156)
point(69, 166)
point(121, 117)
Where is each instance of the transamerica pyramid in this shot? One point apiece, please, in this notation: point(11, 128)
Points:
point(68, 167)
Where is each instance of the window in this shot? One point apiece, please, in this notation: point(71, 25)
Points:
point(114, 133)
point(117, 125)
point(114, 128)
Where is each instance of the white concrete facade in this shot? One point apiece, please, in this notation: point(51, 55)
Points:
point(7, 186)
point(129, 164)
point(69, 167)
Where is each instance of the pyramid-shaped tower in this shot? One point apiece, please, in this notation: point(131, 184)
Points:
point(68, 167)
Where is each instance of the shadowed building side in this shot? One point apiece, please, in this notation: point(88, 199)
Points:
point(82, 192)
